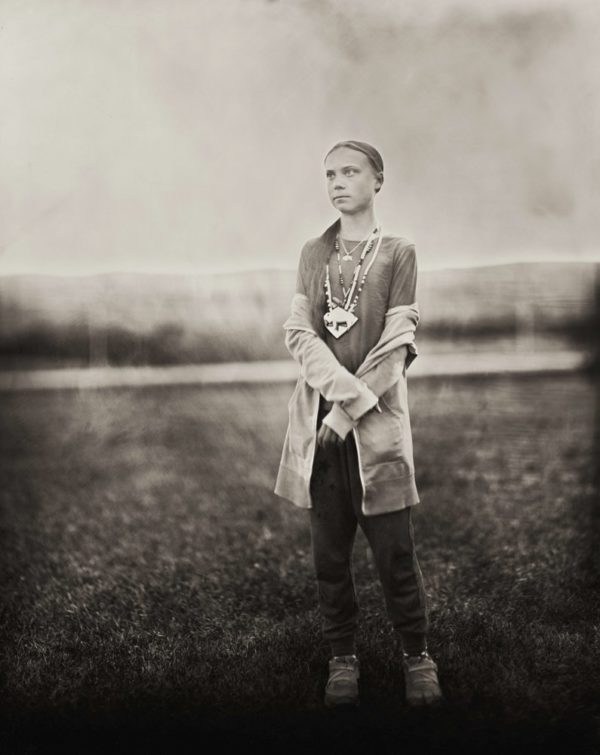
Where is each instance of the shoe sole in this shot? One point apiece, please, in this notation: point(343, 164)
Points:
point(423, 704)
point(342, 702)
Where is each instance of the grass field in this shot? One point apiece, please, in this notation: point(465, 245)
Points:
point(153, 586)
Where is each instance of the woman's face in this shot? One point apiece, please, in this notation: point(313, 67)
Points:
point(351, 180)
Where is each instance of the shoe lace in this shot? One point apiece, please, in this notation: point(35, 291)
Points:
point(415, 659)
point(341, 674)
point(422, 667)
point(343, 667)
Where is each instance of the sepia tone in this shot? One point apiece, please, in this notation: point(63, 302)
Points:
point(162, 167)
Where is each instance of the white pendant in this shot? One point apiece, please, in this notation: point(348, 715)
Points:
point(347, 257)
point(339, 321)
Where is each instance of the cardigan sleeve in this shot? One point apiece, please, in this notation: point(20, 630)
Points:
point(322, 371)
point(318, 364)
point(379, 380)
point(387, 373)
point(300, 284)
point(403, 290)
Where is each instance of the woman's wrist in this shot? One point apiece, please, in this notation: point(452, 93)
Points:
point(339, 421)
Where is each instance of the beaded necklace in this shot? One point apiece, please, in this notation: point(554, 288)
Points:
point(339, 319)
point(348, 255)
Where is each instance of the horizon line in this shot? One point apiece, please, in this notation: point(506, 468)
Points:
point(290, 269)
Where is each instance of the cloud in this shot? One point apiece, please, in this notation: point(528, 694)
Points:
point(191, 136)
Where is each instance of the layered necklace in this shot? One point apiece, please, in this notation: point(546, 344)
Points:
point(348, 255)
point(339, 319)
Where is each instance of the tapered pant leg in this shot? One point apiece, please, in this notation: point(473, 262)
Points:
point(391, 537)
point(336, 492)
point(333, 529)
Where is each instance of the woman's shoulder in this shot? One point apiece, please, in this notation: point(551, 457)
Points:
point(312, 243)
point(400, 251)
point(395, 242)
point(311, 249)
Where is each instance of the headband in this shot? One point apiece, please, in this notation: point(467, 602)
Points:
point(374, 157)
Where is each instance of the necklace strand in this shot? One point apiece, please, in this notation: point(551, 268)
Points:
point(348, 293)
point(350, 298)
point(348, 255)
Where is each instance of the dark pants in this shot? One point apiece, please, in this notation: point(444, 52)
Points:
point(336, 492)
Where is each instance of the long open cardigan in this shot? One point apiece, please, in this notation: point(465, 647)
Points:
point(372, 404)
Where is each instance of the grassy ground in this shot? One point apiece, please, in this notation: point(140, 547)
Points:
point(154, 587)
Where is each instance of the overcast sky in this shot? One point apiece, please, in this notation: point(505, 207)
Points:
point(188, 136)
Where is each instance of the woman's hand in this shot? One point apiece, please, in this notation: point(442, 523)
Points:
point(327, 437)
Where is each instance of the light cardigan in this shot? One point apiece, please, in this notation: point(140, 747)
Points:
point(372, 404)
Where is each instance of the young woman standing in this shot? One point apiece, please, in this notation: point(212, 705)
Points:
point(347, 454)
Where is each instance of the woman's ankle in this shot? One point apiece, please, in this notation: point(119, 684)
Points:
point(343, 646)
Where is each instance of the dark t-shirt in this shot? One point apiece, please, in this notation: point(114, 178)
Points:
point(392, 280)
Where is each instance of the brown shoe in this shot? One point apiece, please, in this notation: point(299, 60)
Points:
point(421, 680)
point(342, 685)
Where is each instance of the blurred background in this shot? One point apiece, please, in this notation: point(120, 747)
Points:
point(161, 170)
point(161, 167)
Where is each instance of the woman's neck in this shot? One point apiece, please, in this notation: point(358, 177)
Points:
point(358, 225)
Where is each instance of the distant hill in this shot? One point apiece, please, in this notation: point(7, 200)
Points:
point(142, 301)
point(196, 317)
